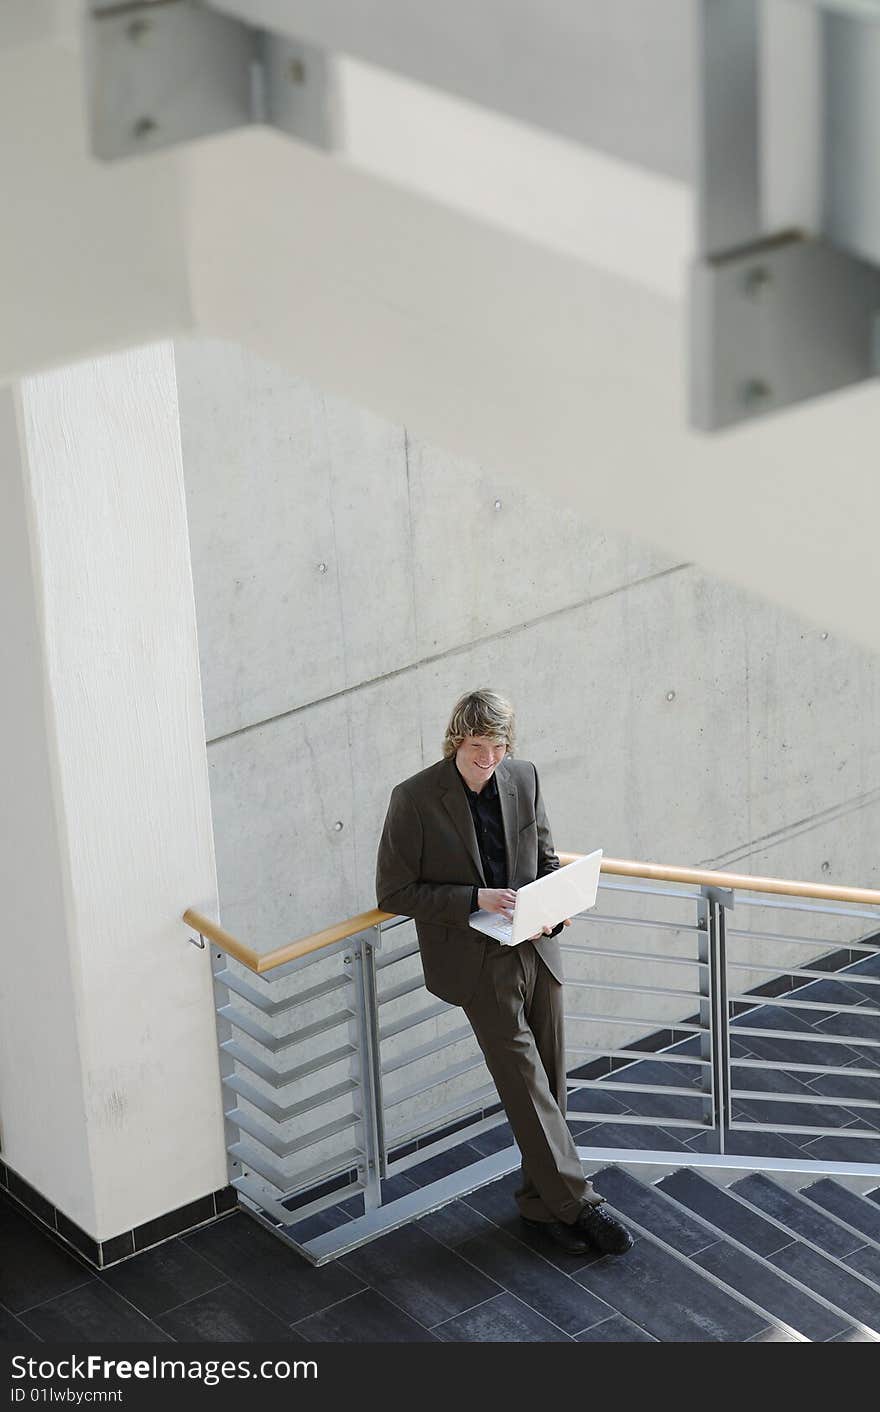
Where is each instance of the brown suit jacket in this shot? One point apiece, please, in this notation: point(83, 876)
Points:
point(429, 863)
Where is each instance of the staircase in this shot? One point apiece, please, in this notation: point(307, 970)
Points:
point(743, 1255)
point(752, 1261)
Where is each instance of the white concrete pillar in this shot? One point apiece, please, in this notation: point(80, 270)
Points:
point(109, 1091)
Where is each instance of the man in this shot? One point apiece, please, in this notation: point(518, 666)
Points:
point(461, 835)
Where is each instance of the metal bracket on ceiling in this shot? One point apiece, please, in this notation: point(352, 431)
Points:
point(162, 72)
point(776, 317)
point(777, 323)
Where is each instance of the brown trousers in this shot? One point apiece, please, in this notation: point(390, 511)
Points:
point(517, 1016)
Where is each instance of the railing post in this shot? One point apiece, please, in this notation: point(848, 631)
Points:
point(716, 901)
point(366, 1004)
point(708, 1077)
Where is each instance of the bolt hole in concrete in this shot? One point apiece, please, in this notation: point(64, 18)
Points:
point(138, 30)
point(756, 281)
point(755, 392)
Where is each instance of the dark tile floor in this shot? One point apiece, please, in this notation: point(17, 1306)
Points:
point(470, 1272)
point(456, 1275)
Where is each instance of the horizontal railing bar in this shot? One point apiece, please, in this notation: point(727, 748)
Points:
point(415, 1090)
point(725, 1161)
point(260, 999)
point(288, 1184)
point(246, 1124)
point(641, 1020)
point(603, 1083)
point(799, 1036)
point(637, 1120)
point(783, 1003)
point(276, 1043)
point(429, 1147)
point(255, 1198)
point(473, 1100)
point(314, 1205)
point(409, 1022)
point(814, 942)
point(638, 922)
point(807, 1097)
point(635, 989)
point(798, 1128)
point(395, 992)
point(253, 1193)
point(825, 1070)
point(613, 952)
point(256, 1065)
point(845, 977)
point(432, 1046)
point(400, 953)
point(276, 1111)
point(648, 891)
point(743, 900)
point(659, 1056)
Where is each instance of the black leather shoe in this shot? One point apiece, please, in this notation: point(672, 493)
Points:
point(603, 1232)
point(569, 1238)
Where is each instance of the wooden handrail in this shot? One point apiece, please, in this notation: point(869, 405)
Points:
point(293, 949)
point(745, 882)
point(623, 867)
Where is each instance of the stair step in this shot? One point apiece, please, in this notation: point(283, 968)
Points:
point(635, 1198)
point(751, 1276)
point(855, 1210)
point(746, 1273)
point(798, 1215)
point(865, 1262)
point(714, 1204)
point(670, 1298)
point(817, 1272)
point(847, 1291)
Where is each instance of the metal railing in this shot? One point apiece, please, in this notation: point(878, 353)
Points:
point(695, 1042)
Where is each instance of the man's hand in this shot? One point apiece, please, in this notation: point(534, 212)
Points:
point(497, 899)
point(547, 930)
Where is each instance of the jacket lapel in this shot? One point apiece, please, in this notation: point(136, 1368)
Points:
point(458, 809)
point(510, 816)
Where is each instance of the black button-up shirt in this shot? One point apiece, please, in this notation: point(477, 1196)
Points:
point(489, 825)
point(485, 808)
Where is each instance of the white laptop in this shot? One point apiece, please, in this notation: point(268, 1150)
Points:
point(560, 894)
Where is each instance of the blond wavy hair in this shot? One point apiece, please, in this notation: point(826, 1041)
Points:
point(482, 713)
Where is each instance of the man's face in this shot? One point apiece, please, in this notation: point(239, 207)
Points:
point(477, 758)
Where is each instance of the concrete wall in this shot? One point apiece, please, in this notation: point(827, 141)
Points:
point(352, 581)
